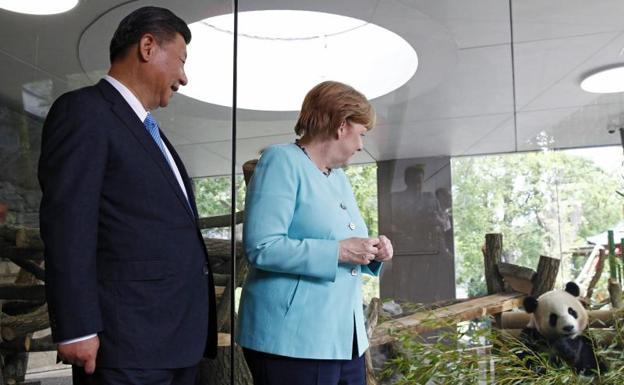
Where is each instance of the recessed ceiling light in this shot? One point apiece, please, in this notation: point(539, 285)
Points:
point(605, 82)
point(283, 54)
point(38, 7)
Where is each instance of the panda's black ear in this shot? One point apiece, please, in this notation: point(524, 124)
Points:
point(573, 289)
point(530, 304)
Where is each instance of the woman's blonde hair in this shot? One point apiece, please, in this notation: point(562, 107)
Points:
point(329, 104)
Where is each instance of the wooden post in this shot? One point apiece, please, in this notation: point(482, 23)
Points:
point(547, 270)
point(372, 316)
point(492, 255)
point(597, 274)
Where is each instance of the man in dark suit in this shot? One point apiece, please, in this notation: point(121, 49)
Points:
point(129, 288)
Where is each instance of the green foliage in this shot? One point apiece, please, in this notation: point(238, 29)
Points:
point(473, 353)
point(363, 179)
point(543, 203)
point(214, 196)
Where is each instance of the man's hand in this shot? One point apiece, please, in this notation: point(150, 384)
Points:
point(81, 353)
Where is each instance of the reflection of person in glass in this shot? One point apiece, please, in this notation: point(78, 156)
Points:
point(417, 218)
point(300, 317)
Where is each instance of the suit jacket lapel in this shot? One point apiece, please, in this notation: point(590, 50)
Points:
point(185, 178)
point(134, 124)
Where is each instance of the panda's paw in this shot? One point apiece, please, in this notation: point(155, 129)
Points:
point(565, 347)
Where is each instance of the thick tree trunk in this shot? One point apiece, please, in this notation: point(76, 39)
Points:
point(16, 326)
point(615, 293)
point(547, 270)
point(217, 371)
point(492, 254)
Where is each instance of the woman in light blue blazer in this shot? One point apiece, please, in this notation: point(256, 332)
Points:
point(300, 316)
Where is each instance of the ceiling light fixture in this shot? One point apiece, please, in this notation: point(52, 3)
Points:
point(606, 81)
point(283, 54)
point(38, 7)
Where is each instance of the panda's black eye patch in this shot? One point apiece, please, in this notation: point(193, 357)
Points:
point(572, 312)
point(553, 319)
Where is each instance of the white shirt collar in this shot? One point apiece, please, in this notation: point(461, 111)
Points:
point(129, 97)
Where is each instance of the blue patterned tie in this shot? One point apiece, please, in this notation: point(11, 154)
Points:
point(152, 127)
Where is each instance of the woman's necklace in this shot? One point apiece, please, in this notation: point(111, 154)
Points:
point(298, 144)
point(343, 206)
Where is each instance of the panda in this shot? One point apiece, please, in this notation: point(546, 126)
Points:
point(558, 320)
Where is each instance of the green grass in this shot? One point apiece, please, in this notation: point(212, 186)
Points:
point(474, 353)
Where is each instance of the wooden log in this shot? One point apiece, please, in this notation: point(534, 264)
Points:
point(615, 293)
point(20, 307)
point(222, 247)
point(372, 316)
point(604, 338)
point(220, 220)
point(13, 253)
point(14, 370)
point(220, 279)
point(512, 270)
point(21, 344)
point(43, 344)
point(219, 291)
point(23, 292)
point(31, 267)
point(28, 238)
point(248, 170)
point(518, 278)
point(597, 319)
point(492, 255)
point(7, 233)
point(547, 270)
point(597, 274)
point(224, 306)
point(421, 321)
point(12, 327)
point(217, 371)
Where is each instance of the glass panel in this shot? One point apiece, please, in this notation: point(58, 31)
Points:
point(138, 214)
point(491, 134)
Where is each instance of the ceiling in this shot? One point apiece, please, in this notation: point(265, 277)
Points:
point(474, 92)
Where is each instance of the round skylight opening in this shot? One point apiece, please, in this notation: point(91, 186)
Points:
point(605, 82)
point(38, 7)
point(283, 54)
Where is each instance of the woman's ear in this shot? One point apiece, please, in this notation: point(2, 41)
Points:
point(341, 130)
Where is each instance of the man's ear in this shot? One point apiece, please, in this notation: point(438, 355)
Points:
point(530, 304)
point(147, 46)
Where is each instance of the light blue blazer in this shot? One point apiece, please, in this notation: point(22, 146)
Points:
point(298, 301)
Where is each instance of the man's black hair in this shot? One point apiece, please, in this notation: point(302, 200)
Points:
point(160, 22)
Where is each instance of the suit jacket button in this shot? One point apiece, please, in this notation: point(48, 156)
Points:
point(206, 269)
point(354, 272)
point(352, 226)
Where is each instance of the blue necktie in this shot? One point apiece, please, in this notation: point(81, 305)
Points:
point(152, 128)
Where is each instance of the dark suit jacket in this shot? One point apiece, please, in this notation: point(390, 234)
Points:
point(123, 252)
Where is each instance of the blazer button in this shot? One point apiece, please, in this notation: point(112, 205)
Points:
point(352, 226)
point(354, 272)
point(343, 206)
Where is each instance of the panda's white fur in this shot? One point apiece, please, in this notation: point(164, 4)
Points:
point(557, 314)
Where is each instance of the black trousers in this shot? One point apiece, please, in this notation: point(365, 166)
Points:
point(116, 376)
point(270, 369)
